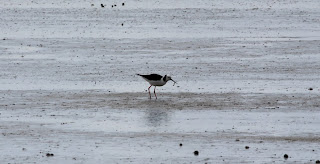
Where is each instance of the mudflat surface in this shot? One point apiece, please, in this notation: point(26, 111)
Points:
point(247, 73)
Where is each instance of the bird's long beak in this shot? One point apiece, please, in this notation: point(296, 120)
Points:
point(174, 82)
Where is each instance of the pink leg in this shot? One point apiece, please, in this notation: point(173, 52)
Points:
point(155, 92)
point(149, 91)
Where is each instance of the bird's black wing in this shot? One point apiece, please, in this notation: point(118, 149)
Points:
point(152, 77)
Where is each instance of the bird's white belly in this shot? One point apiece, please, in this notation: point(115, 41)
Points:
point(157, 83)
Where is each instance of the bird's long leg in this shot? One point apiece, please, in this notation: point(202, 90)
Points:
point(149, 91)
point(155, 92)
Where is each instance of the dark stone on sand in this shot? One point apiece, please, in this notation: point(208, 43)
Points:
point(310, 89)
point(196, 153)
point(247, 147)
point(49, 155)
point(237, 139)
point(122, 4)
point(286, 156)
point(180, 144)
point(102, 5)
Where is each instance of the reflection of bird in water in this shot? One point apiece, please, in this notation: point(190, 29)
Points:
point(156, 80)
point(156, 116)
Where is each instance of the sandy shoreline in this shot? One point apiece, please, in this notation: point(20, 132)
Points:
point(91, 99)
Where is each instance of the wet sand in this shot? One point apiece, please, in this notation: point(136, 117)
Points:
point(247, 72)
point(94, 126)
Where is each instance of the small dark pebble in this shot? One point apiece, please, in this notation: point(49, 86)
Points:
point(310, 89)
point(318, 161)
point(196, 153)
point(286, 156)
point(49, 155)
point(180, 144)
point(237, 140)
point(122, 4)
point(247, 147)
point(102, 5)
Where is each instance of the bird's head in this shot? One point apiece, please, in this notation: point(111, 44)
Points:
point(166, 78)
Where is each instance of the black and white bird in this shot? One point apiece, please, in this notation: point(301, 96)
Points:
point(156, 80)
